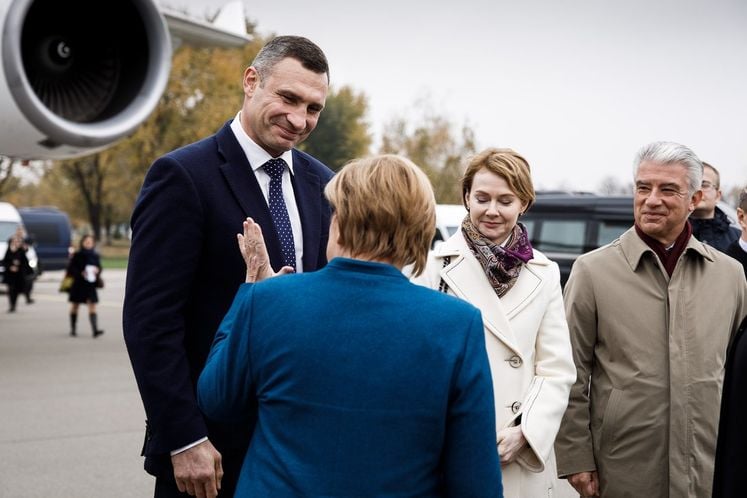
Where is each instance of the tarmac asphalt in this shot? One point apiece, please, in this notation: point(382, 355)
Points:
point(71, 419)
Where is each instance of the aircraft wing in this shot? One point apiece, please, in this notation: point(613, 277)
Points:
point(227, 29)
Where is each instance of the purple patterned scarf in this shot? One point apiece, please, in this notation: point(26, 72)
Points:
point(501, 264)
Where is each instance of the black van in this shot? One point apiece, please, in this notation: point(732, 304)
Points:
point(564, 226)
point(50, 230)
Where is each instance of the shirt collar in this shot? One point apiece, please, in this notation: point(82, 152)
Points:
point(256, 155)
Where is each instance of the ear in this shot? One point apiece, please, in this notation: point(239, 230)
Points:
point(251, 81)
point(695, 200)
point(742, 218)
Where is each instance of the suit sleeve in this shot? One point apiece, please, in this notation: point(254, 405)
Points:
point(554, 373)
point(165, 251)
point(471, 463)
point(225, 386)
point(573, 446)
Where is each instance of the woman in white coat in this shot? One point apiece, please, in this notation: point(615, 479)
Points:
point(491, 264)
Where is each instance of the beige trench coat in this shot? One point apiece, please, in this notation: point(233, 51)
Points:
point(526, 337)
point(654, 349)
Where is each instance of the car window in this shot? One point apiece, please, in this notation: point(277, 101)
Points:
point(44, 232)
point(7, 229)
point(610, 230)
point(529, 225)
point(561, 236)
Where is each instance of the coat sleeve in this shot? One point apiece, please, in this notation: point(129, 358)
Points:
point(554, 373)
point(471, 462)
point(166, 240)
point(225, 387)
point(573, 446)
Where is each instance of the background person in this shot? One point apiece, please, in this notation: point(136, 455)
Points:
point(738, 248)
point(710, 224)
point(650, 316)
point(28, 284)
point(85, 267)
point(184, 270)
point(16, 266)
point(390, 397)
point(491, 264)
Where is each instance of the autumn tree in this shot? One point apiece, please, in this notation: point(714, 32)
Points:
point(8, 181)
point(437, 145)
point(611, 185)
point(342, 132)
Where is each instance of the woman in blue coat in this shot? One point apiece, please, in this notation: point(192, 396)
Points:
point(364, 384)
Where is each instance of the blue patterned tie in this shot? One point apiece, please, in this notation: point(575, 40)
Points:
point(275, 168)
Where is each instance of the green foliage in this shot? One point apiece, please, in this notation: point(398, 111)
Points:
point(342, 132)
point(435, 146)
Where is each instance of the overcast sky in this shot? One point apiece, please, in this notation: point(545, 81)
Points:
point(575, 86)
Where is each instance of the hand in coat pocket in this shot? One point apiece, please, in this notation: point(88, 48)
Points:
point(510, 442)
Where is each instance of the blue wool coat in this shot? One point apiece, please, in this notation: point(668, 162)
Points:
point(365, 385)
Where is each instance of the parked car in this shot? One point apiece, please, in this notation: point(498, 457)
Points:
point(10, 220)
point(50, 230)
point(448, 220)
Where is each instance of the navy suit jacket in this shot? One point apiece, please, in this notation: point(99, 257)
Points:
point(367, 385)
point(184, 269)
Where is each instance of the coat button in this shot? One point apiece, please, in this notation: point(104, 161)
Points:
point(515, 361)
point(515, 406)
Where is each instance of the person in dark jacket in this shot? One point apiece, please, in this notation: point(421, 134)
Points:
point(16, 266)
point(85, 267)
point(710, 224)
point(738, 248)
point(731, 447)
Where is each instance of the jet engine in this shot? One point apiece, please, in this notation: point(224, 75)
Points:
point(78, 75)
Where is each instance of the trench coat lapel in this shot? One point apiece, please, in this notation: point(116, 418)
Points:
point(524, 290)
point(465, 277)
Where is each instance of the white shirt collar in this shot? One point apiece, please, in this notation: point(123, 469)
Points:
point(256, 155)
point(743, 244)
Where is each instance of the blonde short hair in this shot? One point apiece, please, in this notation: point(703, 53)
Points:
point(507, 164)
point(385, 209)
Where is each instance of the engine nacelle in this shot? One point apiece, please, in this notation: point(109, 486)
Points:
point(78, 75)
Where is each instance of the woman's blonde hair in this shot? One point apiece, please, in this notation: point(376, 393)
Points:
point(507, 164)
point(385, 209)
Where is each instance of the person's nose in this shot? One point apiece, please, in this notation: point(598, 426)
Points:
point(653, 198)
point(493, 209)
point(297, 118)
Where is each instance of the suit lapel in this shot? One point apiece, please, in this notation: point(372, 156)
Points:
point(465, 277)
point(243, 185)
point(307, 189)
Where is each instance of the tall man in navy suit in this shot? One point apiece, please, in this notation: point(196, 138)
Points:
point(184, 268)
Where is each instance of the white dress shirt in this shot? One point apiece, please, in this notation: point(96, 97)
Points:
point(257, 157)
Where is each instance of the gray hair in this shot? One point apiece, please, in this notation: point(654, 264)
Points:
point(673, 153)
point(296, 47)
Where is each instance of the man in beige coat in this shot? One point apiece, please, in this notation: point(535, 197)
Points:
point(650, 316)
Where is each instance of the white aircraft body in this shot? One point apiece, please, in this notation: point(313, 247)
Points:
point(78, 75)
